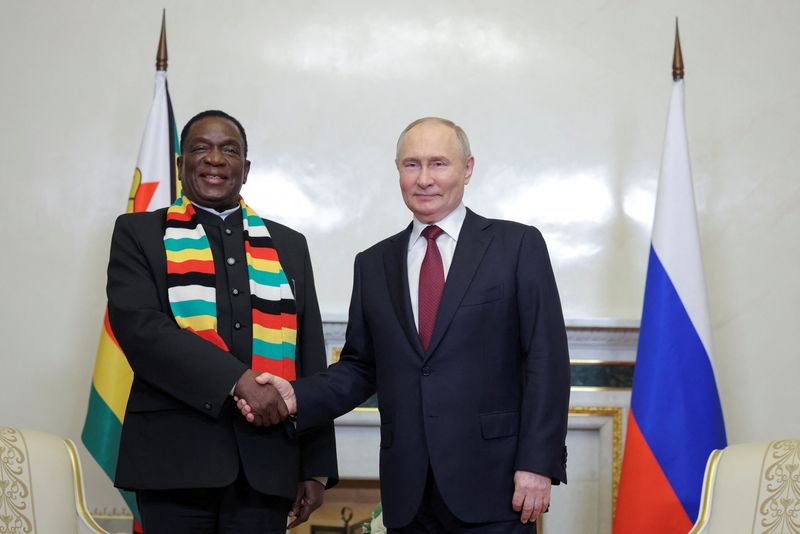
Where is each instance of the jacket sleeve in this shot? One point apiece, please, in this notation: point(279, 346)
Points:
point(318, 446)
point(348, 382)
point(173, 360)
point(546, 382)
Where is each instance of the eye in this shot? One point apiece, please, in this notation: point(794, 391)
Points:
point(199, 148)
point(231, 149)
point(410, 165)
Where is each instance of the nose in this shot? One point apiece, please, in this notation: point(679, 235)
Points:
point(215, 156)
point(424, 177)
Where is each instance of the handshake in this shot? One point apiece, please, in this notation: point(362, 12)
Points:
point(264, 399)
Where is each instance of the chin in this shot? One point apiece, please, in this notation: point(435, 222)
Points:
point(426, 218)
point(426, 210)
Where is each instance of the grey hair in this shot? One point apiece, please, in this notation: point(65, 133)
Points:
point(461, 135)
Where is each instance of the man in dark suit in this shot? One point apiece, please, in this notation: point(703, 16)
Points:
point(457, 323)
point(196, 465)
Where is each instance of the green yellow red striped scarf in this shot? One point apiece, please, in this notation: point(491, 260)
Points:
point(191, 283)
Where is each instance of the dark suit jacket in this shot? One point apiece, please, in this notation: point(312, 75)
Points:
point(489, 396)
point(181, 427)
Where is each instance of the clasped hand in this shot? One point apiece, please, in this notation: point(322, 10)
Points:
point(264, 399)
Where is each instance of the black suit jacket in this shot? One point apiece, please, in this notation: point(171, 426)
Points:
point(489, 397)
point(181, 427)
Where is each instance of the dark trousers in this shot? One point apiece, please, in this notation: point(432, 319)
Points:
point(434, 517)
point(234, 509)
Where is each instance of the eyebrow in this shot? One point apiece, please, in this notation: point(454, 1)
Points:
point(426, 158)
point(227, 141)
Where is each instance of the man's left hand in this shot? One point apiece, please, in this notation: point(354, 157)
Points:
point(309, 498)
point(531, 495)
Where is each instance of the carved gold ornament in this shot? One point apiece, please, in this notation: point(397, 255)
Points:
point(16, 504)
point(779, 494)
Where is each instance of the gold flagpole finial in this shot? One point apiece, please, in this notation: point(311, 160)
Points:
point(161, 55)
point(677, 57)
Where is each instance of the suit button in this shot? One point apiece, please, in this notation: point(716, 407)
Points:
point(426, 371)
point(237, 325)
point(235, 291)
point(228, 231)
point(231, 261)
point(207, 406)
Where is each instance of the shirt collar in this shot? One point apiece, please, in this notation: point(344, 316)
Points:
point(451, 224)
point(221, 214)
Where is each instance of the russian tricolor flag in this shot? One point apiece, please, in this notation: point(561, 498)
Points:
point(675, 419)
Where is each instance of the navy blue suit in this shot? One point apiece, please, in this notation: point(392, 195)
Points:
point(490, 395)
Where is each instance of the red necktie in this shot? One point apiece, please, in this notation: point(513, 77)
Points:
point(431, 285)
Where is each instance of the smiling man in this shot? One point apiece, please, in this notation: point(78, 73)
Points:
point(457, 323)
point(203, 296)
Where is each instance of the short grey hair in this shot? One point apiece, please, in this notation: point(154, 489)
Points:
point(461, 135)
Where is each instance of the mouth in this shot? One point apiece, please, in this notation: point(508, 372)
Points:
point(213, 178)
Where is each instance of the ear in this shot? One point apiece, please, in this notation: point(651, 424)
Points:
point(468, 166)
point(246, 171)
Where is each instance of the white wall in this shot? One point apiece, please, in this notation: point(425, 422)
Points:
point(565, 104)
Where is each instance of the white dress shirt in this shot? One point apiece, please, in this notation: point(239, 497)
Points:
point(417, 245)
point(221, 214)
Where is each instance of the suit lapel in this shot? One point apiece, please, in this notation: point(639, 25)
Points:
point(472, 244)
point(395, 262)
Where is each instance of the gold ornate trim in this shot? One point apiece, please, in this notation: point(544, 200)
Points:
point(336, 353)
point(115, 514)
point(368, 409)
point(603, 362)
point(365, 409)
point(779, 490)
point(615, 413)
point(16, 503)
point(708, 483)
point(597, 388)
point(77, 481)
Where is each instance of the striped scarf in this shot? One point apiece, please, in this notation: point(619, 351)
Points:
point(191, 284)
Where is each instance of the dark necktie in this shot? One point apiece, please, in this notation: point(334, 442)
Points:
point(431, 285)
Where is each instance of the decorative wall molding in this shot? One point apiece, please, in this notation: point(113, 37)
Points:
point(615, 413)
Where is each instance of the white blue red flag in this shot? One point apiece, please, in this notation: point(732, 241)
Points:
point(675, 419)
